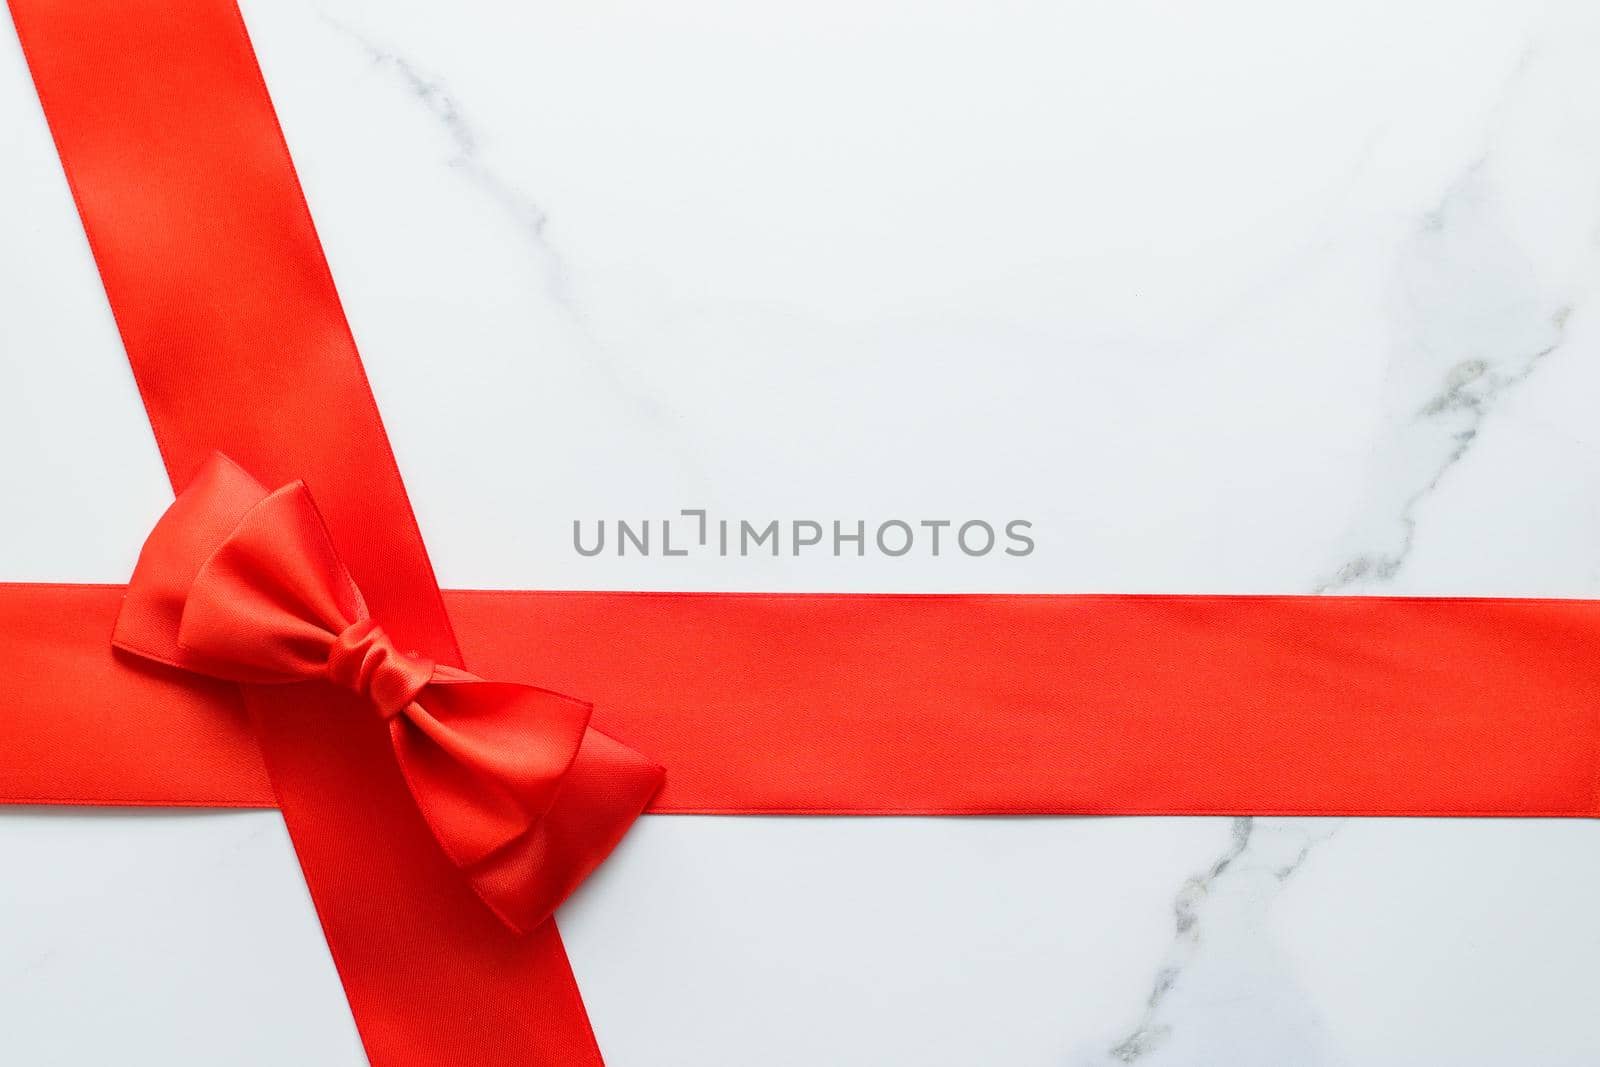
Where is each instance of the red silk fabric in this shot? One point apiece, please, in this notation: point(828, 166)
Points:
point(816, 704)
point(760, 703)
point(238, 343)
point(522, 795)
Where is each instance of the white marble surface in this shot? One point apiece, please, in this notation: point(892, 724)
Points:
point(1223, 296)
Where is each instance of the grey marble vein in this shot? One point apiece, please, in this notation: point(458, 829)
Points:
point(1478, 351)
point(1226, 903)
point(1483, 363)
point(532, 222)
point(434, 94)
point(1472, 325)
point(1151, 1031)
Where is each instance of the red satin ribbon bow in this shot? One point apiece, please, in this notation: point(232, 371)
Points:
point(242, 584)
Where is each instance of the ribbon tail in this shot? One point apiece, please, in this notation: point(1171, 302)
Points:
point(606, 789)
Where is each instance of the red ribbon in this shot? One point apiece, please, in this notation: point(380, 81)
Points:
point(239, 583)
point(756, 703)
point(238, 343)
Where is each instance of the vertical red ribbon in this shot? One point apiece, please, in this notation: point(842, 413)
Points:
point(238, 342)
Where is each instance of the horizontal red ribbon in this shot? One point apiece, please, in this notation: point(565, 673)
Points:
point(934, 705)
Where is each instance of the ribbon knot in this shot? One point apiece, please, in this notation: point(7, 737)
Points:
point(364, 660)
point(518, 790)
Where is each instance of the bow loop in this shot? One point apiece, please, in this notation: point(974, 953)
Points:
point(522, 795)
point(272, 598)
